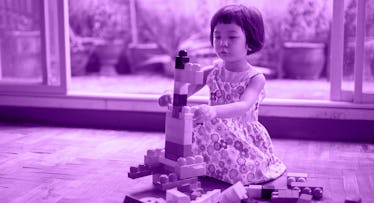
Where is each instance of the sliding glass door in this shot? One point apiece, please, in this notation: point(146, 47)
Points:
point(352, 51)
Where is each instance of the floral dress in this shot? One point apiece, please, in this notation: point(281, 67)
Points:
point(238, 148)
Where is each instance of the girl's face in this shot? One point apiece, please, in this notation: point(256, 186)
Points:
point(229, 42)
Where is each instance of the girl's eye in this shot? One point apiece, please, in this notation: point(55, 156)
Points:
point(233, 37)
point(217, 37)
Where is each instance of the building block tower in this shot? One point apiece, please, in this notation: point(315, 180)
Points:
point(178, 124)
point(175, 165)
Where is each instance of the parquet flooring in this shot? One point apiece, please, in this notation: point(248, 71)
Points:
point(65, 165)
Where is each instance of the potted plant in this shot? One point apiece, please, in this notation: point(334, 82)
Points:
point(166, 27)
point(106, 24)
point(305, 35)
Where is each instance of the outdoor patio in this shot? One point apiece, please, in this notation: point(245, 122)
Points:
point(151, 83)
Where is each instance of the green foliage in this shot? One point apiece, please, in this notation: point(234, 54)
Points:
point(306, 20)
point(105, 19)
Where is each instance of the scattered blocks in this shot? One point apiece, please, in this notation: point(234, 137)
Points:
point(260, 191)
point(176, 196)
point(285, 196)
point(235, 193)
point(296, 177)
point(313, 188)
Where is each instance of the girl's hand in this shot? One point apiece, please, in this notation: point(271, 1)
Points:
point(204, 112)
point(165, 100)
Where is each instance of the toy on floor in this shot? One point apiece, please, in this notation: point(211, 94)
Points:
point(296, 177)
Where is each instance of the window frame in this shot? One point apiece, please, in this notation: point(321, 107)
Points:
point(341, 105)
point(336, 53)
point(54, 20)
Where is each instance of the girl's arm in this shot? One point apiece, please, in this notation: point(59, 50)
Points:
point(166, 99)
point(192, 89)
point(249, 98)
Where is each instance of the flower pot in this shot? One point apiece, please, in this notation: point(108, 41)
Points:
point(303, 60)
point(108, 54)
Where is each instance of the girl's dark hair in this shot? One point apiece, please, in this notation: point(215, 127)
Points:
point(248, 18)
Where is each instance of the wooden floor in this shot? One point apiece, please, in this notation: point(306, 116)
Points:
point(54, 164)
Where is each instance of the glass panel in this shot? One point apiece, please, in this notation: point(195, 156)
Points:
point(368, 86)
point(349, 44)
point(53, 48)
point(20, 41)
point(164, 27)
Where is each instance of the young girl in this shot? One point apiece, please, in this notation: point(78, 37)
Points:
point(235, 146)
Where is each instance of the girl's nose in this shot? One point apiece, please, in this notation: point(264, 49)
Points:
point(223, 43)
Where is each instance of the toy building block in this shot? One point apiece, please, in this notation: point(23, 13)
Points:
point(189, 188)
point(191, 166)
point(180, 88)
point(191, 74)
point(285, 196)
point(296, 177)
point(175, 196)
point(179, 130)
point(178, 134)
point(313, 188)
point(129, 199)
point(140, 171)
point(209, 197)
point(352, 192)
point(235, 193)
point(305, 198)
point(164, 182)
point(152, 200)
point(349, 199)
point(181, 59)
point(173, 150)
point(152, 158)
point(260, 191)
point(169, 165)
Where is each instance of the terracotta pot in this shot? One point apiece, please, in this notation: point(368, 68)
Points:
point(109, 54)
point(303, 60)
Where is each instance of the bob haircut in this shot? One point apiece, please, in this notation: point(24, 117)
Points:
point(248, 18)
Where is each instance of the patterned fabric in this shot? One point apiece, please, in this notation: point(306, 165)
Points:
point(239, 148)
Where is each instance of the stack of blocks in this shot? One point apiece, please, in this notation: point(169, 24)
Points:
point(176, 166)
point(179, 125)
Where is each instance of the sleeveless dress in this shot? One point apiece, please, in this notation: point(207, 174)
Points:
point(239, 148)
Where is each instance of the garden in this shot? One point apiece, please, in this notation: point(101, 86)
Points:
point(124, 42)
